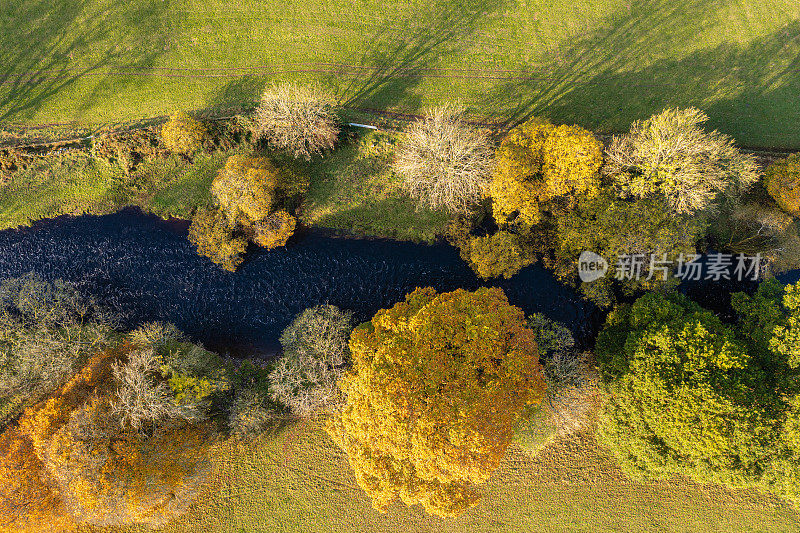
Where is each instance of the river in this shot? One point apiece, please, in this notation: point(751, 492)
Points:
point(145, 269)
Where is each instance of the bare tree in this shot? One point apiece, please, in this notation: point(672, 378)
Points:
point(315, 353)
point(142, 399)
point(298, 119)
point(671, 154)
point(445, 162)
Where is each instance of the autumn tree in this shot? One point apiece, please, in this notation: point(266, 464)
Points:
point(183, 133)
point(613, 228)
point(538, 163)
point(274, 230)
point(216, 238)
point(444, 162)
point(437, 384)
point(502, 254)
point(245, 188)
point(682, 393)
point(105, 471)
point(782, 179)
point(298, 119)
point(671, 156)
point(691, 395)
point(315, 353)
point(47, 331)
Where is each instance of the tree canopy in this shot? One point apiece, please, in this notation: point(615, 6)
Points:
point(437, 384)
point(537, 163)
point(670, 155)
point(691, 395)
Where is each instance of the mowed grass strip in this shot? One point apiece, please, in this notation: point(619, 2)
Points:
point(598, 63)
point(299, 481)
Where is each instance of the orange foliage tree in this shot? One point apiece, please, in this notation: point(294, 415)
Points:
point(437, 384)
point(99, 471)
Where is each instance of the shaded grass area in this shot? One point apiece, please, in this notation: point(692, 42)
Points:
point(355, 190)
point(598, 63)
point(300, 481)
point(75, 183)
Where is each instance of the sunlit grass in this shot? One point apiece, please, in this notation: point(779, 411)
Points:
point(600, 63)
point(299, 481)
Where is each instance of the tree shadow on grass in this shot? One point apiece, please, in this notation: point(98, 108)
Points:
point(48, 46)
point(401, 52)
point(749, 91)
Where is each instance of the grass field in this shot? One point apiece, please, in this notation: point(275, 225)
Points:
point(300, 482)
point(599, 63)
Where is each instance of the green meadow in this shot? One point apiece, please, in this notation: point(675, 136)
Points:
point(598, 63)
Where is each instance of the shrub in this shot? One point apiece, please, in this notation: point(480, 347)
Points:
point(13, 160)
point(213, 235)
point(782, 179)
point(537, 163)
point(47, 330)
point(245, 188)
point(127, 149)
point(297, 119)
point(437, 385)
point(671, 155)
point(253, 411)
point(570, 406)
point(275, 230)
point(251, 414)
point(183, 134)
point(315, 353)
point(445, 162)
point(551, 337)
point(501, 254)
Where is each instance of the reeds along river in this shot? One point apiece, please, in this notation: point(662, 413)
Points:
point(145, 269)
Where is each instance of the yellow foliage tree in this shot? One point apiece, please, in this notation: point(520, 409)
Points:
point(245, 187)
point(275, 230)
point(501, 254)
point(437, 384)
point(183, 134)
point(782, 179)
point(538, 162)
point(27, 502)
point(214, 236)
point(112, 476)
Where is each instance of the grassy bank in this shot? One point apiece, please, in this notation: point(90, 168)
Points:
point(598, 63)
point(352, 190)
point(77, 183)
point(299, 481)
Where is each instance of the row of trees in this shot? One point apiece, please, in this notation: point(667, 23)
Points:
point(555, 191)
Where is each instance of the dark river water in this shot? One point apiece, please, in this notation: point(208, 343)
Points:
point(145, 268)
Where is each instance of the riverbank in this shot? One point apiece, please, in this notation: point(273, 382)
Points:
point(352, 189)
